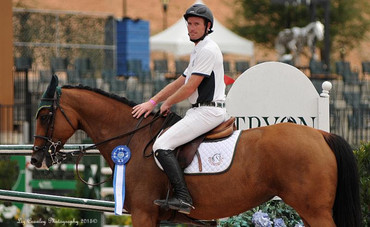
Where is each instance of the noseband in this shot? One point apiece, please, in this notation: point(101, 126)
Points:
point(50, 146)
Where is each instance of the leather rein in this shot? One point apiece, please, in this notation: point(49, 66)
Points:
point(58, 156)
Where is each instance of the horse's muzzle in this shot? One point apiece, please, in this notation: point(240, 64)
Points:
point(40, 157)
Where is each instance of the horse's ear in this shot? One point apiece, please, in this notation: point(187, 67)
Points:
point(52, 86)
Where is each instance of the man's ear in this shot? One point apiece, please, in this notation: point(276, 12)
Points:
point(208, 26)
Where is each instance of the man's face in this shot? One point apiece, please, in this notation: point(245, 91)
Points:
point(196, 27)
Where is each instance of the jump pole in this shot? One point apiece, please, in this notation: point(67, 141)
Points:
point(58, 201)
point(26, 149)
point(52, 200)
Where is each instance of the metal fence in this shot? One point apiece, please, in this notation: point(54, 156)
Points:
point(349, 106)
point(349, 110)
point(28, 91)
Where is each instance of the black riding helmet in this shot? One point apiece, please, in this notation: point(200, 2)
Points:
point(200, 10)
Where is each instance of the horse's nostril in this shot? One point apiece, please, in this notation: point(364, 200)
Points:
point(36, 163)
point(33, 161)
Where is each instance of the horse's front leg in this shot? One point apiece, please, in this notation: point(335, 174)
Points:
point(141, 217)
point(292, 46)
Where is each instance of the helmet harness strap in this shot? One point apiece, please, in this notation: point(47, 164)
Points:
point(204, 35)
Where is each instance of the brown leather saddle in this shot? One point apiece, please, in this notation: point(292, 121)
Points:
point(186, 152)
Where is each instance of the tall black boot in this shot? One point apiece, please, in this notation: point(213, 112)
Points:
point(181, 200)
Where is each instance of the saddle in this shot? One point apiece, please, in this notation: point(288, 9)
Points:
point(186, 152)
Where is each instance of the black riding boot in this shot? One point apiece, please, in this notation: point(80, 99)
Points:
point(181, 200)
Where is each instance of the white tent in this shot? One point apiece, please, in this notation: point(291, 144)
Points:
point(175, 40)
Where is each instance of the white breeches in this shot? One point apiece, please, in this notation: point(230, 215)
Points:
point(196, 122)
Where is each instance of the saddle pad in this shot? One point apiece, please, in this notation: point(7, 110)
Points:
point(216, 156)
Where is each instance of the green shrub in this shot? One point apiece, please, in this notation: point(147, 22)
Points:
point(55, 216)
point(363, 163)
point(118, 220)
point(9, 171)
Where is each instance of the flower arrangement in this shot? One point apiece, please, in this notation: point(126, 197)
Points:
point(260, 219)
point(9, 215)
point(274, 213)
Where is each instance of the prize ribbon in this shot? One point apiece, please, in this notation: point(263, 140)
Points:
point(120, 156)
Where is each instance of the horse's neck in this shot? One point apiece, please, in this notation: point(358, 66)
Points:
point(311, 28)
point(98, 115)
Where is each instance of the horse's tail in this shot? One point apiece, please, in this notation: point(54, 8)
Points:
point(347, 209)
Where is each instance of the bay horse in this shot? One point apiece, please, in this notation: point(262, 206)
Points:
point(313, 171)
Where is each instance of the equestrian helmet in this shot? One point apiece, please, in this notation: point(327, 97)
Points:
point(200, 10)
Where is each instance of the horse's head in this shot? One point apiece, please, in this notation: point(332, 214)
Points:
point(53, 128)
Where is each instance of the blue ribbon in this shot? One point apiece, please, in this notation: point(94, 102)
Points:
point(120, 156)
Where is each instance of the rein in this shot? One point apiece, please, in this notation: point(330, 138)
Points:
point(83, 150)
point(58, 156)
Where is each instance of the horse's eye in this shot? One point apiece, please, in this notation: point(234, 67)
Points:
point(44, 118)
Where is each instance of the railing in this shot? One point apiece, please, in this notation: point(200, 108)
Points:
point(353, 124)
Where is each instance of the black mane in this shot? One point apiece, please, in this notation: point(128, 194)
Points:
point(99, 91)
point(171, 118)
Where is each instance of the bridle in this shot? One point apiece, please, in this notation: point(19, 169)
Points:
point(50, 146)
point(57, 156)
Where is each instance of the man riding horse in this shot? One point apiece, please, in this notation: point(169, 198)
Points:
point(202, 83)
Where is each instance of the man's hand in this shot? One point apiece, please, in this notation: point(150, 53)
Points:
point(165, 108)
point(143, 108)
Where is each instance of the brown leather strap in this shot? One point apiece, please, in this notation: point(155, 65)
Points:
point(199, 162)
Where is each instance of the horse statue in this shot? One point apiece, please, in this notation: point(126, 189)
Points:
point(296, 38)
point(311, 170)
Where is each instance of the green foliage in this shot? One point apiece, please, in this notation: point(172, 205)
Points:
point(274, 208)
point(264, 20)
point(53, 216)
point(261, 21)
point(118, 220)
point(9, 171)
point(363, 162)
point(67, 215)
point(40, 216)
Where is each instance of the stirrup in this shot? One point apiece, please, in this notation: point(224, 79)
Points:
point(182, 207)
point(162, 203)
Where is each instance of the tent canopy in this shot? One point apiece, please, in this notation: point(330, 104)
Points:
point(175, 40)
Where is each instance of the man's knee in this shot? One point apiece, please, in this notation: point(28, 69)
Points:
point(159, 144)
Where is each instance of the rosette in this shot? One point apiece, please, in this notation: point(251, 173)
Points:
point(120, 156)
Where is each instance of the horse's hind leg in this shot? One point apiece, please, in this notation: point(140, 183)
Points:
point(313, 211)
point(313, 202)
point(320, 218)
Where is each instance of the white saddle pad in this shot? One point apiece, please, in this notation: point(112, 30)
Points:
point(215, 156)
